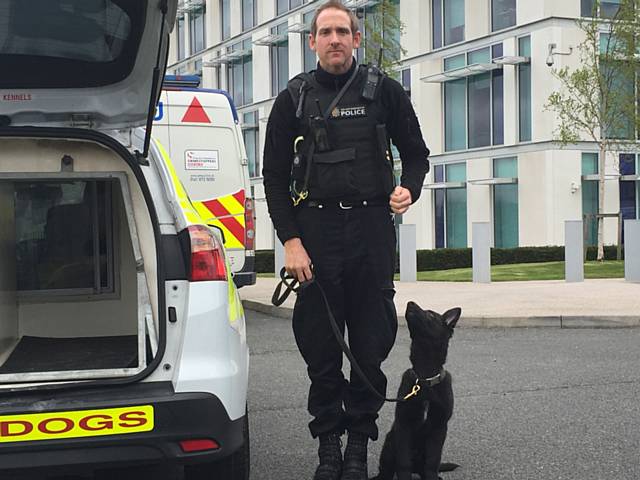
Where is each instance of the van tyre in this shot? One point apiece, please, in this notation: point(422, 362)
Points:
point(234, 467)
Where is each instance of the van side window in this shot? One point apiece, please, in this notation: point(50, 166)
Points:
point(64, 237)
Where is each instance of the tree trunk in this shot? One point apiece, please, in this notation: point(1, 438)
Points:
point(601, 164)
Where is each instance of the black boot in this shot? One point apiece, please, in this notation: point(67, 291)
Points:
point(355, 458)
point(330, 453)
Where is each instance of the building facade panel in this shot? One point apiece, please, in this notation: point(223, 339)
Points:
point(478, 77)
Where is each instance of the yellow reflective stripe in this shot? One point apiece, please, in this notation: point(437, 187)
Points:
point(236, 310)
point(229, 240)
point(182, 194)
point(203, 211)
point(231, 205)
point(192, 216)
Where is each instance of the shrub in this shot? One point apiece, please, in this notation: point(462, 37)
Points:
point(447, 258)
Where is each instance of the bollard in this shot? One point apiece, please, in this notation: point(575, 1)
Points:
point(278, 255)
point(573, 251)
point(408, 263)
point(632, 250)
point(481, 252)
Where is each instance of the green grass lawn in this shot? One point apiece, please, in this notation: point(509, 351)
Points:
point(527, 271)
point(520, 271)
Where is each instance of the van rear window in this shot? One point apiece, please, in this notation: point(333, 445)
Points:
point(68, 43)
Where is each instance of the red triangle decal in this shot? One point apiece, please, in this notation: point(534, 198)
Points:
point(195, 113)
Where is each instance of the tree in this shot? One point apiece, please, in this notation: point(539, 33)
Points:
point(598, 100)
point(383, 28)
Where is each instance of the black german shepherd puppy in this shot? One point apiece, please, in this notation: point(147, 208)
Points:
point(414, 443)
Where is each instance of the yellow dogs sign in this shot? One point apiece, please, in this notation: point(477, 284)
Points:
point(74, 424)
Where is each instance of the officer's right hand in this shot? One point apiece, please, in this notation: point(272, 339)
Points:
point(296, 260)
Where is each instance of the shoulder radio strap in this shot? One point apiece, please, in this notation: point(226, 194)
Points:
point(341, 93)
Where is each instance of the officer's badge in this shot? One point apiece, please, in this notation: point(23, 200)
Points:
point(350, 112)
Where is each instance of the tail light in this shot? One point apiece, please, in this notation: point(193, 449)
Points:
point(207, 255)
point(249, 224)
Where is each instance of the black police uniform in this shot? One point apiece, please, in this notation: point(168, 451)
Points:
point(347, 229)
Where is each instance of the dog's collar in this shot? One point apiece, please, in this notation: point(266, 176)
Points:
point(425, 382)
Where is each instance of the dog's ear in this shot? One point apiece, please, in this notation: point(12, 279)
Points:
point(415, 318)
point(451, 317)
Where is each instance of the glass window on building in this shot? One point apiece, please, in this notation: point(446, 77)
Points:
point(447, 18)
point(455, 121)
point(587, 8)
point(197, 30)
point(240, 73)
point(309, 59)
point(375, 29)
point(474, 106)
point(279, 60)
point(505, 204)
point(503, 14)
point(405, 80)
point(450, 206)
point(249, 14)
point(180, 38)
point(628, 188)
point(590, 197)
point(436, 23)
point(524, 91)
point(608, 8)
point(479, 101)
point(251, 142)
point(225, 18)
point(283, 6)
point(453, 21)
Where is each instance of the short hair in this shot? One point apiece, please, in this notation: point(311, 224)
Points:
point(336, 4)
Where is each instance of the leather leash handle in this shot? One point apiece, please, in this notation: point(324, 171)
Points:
point(278, 299)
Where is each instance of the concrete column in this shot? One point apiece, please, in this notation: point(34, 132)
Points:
point(408, 261)
point(481, 252)
point(632, 250)
point(278, 251)
point(573, 251)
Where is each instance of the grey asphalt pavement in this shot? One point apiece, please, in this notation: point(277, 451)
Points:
point(531, 403)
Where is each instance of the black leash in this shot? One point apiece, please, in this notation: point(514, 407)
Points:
point(278, 299)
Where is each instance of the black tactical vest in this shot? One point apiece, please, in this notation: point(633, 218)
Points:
point(357, 165)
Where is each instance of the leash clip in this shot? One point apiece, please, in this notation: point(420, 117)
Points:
point(414, 391)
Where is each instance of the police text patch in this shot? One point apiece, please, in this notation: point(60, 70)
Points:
point(349, 112)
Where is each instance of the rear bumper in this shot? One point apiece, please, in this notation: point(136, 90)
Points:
point(246, 276)
point(177, 416)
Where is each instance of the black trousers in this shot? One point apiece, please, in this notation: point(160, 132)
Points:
point(353, 254)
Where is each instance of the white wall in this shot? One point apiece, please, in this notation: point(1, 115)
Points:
point(416, 16)
point(477, 17)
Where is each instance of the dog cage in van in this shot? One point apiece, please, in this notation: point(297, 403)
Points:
point(74, 296)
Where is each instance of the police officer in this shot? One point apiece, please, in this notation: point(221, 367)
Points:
point(329, 184)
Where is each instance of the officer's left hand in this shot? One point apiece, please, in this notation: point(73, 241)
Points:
point(400, 200)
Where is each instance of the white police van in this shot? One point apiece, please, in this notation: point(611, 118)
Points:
point(200, 130)
point(122, 336)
